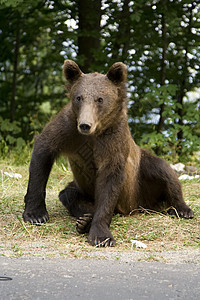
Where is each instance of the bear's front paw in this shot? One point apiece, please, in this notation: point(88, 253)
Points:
point(100, 238)
point(182, 211)
point(36, 217)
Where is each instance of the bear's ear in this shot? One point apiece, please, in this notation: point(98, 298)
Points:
point(71, 70)
point(117, 73)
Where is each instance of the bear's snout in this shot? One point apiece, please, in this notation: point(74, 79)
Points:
point(85, 128)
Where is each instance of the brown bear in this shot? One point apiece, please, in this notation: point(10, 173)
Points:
point(111, 173)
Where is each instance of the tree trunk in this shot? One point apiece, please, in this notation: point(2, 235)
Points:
point(122, 41)
point(89, 12)
point(163, 62)
point(15, 67)
point(183, 85)
point(163, 69)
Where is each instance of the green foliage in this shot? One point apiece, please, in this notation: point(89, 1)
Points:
point(162, 54)
point(10, 136)
point(9, 3)
point(167, 140)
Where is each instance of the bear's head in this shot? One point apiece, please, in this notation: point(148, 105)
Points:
point(98, 100)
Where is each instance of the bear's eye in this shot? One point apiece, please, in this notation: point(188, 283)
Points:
point(100, 100)
point(78, 99)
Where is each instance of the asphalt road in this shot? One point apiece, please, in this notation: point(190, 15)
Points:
point(55, 278)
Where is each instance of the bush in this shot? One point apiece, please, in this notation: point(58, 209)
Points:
point(10, 136)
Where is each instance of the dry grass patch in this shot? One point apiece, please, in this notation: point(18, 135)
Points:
point(58, 236)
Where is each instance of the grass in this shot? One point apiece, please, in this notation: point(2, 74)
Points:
point(58, 236)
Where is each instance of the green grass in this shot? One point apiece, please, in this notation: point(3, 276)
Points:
point(58, 236)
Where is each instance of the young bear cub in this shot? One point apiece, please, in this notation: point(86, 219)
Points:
point(111, 173)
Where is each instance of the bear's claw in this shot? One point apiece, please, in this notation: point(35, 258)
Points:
point(83, 223)
point(182, 212)
point(102, 242)
point(106, 243)
point(100, 237)
point(36, 218)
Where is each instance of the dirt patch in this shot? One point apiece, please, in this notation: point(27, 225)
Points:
point(66, 251)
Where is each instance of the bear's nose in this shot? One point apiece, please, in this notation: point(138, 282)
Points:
point(84, 127)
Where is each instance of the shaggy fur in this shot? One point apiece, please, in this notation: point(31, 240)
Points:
point(111, 173)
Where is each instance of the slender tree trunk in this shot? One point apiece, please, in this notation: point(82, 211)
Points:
point(89, 12)
point(15, 69)
point(180, 122)
point(183, 85)
point(125, 28)
point(122, 41)
point(163, 68)
point(163, 62)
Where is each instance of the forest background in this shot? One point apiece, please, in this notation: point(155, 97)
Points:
point(158, 40)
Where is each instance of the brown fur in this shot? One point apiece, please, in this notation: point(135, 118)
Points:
point(111, 173)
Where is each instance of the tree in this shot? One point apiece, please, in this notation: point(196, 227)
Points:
point(32, 38)
point(157, 39)
point(166, 54)
point(89, 17)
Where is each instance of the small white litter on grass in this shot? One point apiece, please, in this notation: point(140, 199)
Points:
point(138, 244)
point(188, 177)
point(13, 175)
point(178, 167)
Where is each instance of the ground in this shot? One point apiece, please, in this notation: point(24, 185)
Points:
point(167, 238)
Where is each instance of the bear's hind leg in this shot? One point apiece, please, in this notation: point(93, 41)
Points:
point(83, 223)
point(75, 201)
point(178, 206)
point(174, 197)
point(79, 206)
point(160, 184)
